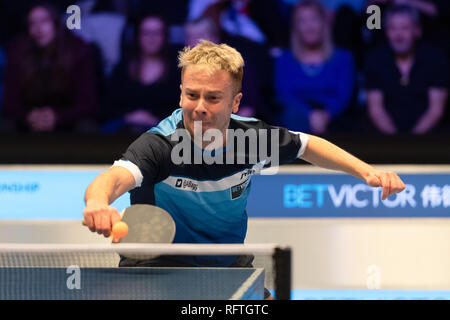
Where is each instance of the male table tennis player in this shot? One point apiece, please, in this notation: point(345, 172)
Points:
point(208, 201)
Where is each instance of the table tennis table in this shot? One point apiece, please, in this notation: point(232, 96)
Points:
point(31, 283)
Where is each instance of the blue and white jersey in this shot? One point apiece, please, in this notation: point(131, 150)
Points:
point(207, 201)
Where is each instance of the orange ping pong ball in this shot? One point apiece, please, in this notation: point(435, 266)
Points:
point(120, 229)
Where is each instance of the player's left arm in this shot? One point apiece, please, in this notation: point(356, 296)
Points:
point(323, 153)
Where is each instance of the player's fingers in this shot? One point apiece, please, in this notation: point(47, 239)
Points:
point(115, 216)
point(107, 230)
point(397, 183)
point(392, 183)
point(99, 223)
point(374, 181)
point(106, 225)
point(386, 185)
point(89, 222)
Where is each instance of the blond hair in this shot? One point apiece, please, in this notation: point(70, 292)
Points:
point(214, 57)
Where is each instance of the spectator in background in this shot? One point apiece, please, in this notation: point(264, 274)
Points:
point(406, 81)
point(174, 11)
point(347, 18)
point(11, 16)
point(258, 69)
point(428, 11)
point(348, 27)
point(201, 28)
point(103, 27)
point(50, 80)
point(244, 18)
point(314, 81)
point(332, 6)
point(140, 92)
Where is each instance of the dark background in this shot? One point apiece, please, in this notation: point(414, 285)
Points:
point(351, 130)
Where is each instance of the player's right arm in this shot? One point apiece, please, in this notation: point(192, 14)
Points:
point(99, 216)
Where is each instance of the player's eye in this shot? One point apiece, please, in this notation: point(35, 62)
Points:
point(213, 98)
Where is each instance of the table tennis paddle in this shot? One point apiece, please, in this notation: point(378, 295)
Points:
point(146, 224)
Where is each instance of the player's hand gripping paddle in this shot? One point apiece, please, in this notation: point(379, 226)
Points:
point(146, 224)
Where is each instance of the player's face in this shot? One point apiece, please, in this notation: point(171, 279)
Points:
point(402, 33)
point(208, 98)
point(41, 27)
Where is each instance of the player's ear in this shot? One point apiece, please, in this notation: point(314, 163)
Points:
point(237, 102)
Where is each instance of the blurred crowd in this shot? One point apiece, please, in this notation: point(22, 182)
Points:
point(310, 65)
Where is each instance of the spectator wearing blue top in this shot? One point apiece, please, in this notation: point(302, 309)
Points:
point(314, 81)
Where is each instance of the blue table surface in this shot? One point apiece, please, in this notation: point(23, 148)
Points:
point(131, 283)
